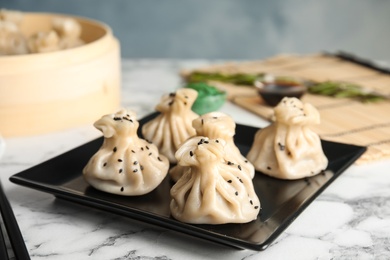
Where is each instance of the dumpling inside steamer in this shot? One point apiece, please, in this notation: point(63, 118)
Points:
point(211, 191)
point(69, 32)
point(12, 16)
point(217, 125)
point(41, 42)
point(65, 33)
point(288, 148)
point(12, 40)
point(125, 164)
point(174, 123)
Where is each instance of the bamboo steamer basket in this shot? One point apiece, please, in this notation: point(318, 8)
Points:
point(47, 92)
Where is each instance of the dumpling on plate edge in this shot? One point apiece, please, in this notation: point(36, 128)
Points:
point(211, 190)
point(218, 125)
point(125, 164)
point(288, 148)
point(174, 123)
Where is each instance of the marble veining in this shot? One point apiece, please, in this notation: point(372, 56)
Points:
point(350, 220)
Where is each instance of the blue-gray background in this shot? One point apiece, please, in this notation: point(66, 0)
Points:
point(233, 29)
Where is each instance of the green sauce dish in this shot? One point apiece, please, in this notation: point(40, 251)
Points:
point(209, 98)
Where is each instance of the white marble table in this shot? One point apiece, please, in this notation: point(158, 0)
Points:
point(350, 220)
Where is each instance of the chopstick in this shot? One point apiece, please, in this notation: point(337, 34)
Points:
point(11, 225)
point(361, 61)
point(3, 247)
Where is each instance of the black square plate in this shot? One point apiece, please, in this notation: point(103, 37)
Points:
point(281, 200)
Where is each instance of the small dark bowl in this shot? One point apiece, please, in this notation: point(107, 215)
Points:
point(273, 93)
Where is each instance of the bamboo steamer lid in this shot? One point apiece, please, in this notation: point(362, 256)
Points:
point(46, 92)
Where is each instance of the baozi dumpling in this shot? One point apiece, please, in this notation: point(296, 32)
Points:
point(125, 164)
point(288, 148)
point(174, 123)
point(11, 40)
point(217, 125)
point(69, 32)
point(211, 191)
point(41, 42)
point(12, 16)
point(67, 27)
point(65, 33)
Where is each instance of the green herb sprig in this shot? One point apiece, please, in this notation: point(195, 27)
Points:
point(236, 78)
point(345, 90)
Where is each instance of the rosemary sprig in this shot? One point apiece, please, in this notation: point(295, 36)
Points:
point(345, 90)
point(236, 78)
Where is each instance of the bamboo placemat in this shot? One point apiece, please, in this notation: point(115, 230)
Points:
point(342, 120)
